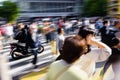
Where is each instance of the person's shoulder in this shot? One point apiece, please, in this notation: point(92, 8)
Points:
point(56, 63)
point(77, 73)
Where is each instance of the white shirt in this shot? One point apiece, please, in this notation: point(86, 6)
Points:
point(34, 37)
point(72, 73)
point(61, 39)
point(89, 60)
point(9, 30)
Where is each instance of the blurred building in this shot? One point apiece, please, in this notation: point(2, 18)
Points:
point(114, 8)
point(42, 8)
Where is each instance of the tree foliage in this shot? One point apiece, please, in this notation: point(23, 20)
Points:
point(95, 8)
point(9, 11)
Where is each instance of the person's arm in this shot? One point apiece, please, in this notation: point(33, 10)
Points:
point(101, 53)
point(92, 41)
point(99, 44)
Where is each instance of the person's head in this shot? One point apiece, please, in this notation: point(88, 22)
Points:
point(100, 19)
point(87, 34)
point(33, 28)
point(60, 31)
point(73, 48)
point(21, 26)
point(105, 23)
point(84, 32)
point(117, 24)
point(115, 42)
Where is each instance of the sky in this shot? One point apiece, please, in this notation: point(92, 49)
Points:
point(2, 0)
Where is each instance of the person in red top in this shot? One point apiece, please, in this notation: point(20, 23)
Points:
point(1, 37)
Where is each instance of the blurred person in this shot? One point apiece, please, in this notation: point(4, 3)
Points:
point(50, 33)
point(80, 23)
point(47, 30)
point(9, 31)
point(112, 32)
point(103, 31)
point(99, 54)
point(32, 41)
point(60, 39)
point(30, 38)
point(64, 69)
point(68, 26)
point(98, 25)
point(1, 38)
point(117, 28)
point(60, 23)
point(86, 22)
point(21, 33)
point(53, 34)
point(113, 60)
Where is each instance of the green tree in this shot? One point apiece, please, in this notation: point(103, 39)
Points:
point(95, 8)
point(9, 11)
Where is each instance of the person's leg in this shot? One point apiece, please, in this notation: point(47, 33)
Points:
point(35, 57)
point(53, 47)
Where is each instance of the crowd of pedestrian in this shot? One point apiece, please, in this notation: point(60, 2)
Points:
point(76, 60)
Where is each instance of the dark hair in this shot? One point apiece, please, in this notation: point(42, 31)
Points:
point(84, 31)
point(105, 22)
point(73, 48)
point(116, 23)
point(59, 30)
point(114, 41)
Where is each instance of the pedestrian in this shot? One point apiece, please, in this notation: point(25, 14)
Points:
point(1, 38)
point(21, 34)
point(113, 60)
point(60, 39)
point(50, 33)
point(98, 25)
point(117, 28)
point(64, 69)
point(99, 54)
point(9, 31)
point(103, 32)
point(112, 32)
point(29, 38)
point(32, 41)
point(68, 26)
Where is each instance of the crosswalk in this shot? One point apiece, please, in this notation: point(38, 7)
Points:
point(17, 67)
point(21, 66)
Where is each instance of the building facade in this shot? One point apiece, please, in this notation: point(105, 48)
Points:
point(42, 8)
point(114, 8)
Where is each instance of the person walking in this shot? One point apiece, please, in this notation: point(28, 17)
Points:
point(60, 39)
point(32, 41)
point(1, 38)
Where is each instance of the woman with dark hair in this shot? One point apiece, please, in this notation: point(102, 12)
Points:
point(64, 69)
point(98, 54)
